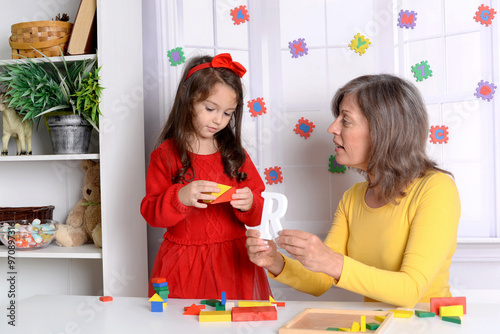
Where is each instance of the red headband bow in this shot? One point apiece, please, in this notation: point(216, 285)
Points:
point(221, 60)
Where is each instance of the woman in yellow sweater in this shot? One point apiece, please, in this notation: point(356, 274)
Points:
point(393, 236)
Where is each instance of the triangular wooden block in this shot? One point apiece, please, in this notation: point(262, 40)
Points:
point(223, 195)
point(192, 310)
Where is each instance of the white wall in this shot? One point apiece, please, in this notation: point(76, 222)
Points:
point(302, 87)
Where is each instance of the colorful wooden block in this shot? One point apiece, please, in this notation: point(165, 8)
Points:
point(229, 306)
point(424, 314)
point(402, 313)
point(192, 310)
point(158, 280)
point(451, 311)
point(274, 302)
point(355, 327)
point(344, 329)
point(223, 298)
point(250, 303)
point(380, 318)
point(225, 194)
point(372, 326)
point(455, 320)
point(332, 329)
point(220, 307)
point(106, 299)
point(210, 302)
point(215, 316)
point(254, 313)
point(156, 307)
point(437, 302)
point(200, 307)
point(160, 285)
point(163, 294)
point(363, 323)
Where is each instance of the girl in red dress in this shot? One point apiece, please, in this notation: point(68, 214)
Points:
point(203, 252)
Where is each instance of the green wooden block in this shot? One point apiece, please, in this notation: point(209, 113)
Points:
point(163, 288)
point(163, 294)
point(372, 326)
point(220, 307)
point(455, 320)
point(211, 302)
point(332, 329)
point(424, 314)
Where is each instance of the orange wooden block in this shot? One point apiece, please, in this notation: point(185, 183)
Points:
point(437, 302)
point(198, 306)
point(158, 280)
point(254, 313)
point(106, 299)
point(192, 310)
point(225, 197)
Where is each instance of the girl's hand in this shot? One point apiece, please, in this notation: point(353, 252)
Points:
point(192, 192)
point(263, 252)
point(311, 252)
point(242, 199)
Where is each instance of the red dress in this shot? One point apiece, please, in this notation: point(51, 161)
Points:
point(203, 251)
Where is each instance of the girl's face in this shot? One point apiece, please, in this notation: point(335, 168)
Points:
point(213, 114)
point(351, 135)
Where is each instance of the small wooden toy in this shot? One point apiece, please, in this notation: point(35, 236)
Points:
point(254, 313)
point(451, 311)
point(192, 310)
point(402, 313)
point(249, 303)
point(363, 323)
point(380, 318)
point(437, 302)
point(215, 316)
point(157, 303)
point(229, 306)
point(106, 299)
point(372, 326)
point(456, 320)
point(274, 302)
point(210, 302)
point(424, 314)
point(223, 298)
point(225, 194)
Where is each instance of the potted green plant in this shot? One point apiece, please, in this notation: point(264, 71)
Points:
point(67, 95)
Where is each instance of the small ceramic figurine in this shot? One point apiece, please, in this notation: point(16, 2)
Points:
point(13, 126)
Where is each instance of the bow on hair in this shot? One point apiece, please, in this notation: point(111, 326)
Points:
point(221, 60)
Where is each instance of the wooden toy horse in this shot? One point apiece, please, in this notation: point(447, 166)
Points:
point(13, 126)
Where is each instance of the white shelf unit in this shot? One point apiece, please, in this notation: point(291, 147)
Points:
point(120, 267)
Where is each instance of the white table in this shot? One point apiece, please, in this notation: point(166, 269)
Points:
point(49, 314)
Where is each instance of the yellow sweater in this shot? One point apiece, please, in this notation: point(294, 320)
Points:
point(397, 254)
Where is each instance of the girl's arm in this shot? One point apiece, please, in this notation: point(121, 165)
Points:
point(249, 213)
point(161, 206)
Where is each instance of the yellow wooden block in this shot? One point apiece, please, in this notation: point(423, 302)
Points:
point(156, 298)
point(451, 311)
point(215, 316)
point(249, 303)
point(271, 300)
point(344, 329)
point(223, 188)
point(355, 327)
point(380, 318)
point(363, 323)
point(402, 313)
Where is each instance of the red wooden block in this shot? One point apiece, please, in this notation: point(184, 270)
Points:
point(158, 280)
point(198, 306)
point(436, 303)
point(279, 304)
point(254, 313)
point(192, 310)
point(225, 197)
point(106, 299)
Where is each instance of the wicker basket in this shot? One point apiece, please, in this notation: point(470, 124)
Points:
point(45, 36)
point(40, 212)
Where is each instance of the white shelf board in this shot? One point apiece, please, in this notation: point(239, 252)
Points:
point(69, 59)
point(87, 251)
point(50, 157)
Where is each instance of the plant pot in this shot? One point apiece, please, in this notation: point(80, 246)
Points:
point(70, 134)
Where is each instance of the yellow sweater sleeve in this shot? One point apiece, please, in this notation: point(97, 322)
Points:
point(424, 227)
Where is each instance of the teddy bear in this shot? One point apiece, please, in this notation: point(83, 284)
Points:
point(84, 220)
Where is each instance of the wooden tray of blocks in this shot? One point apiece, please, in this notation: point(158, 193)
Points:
point(316, 321)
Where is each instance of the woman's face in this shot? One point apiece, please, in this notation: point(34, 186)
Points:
point(351, 135)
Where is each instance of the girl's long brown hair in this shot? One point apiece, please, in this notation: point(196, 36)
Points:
point(179, 126)
point(399, 130)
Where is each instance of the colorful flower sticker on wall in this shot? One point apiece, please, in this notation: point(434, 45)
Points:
point(304, 128)
point(485, 15)
point(359, 44)
point(273, 175)
point(485, 90)
point(407, 19)
point(257, 107)
point(298, 47)
point(439, 134)
point(240, 14)
point(334, 166)
point(176, 56)
point(421, 71)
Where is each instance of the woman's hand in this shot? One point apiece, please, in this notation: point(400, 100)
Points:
point(264, 253)
point(192, 192)
point(311, 252)
point(242, 199)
